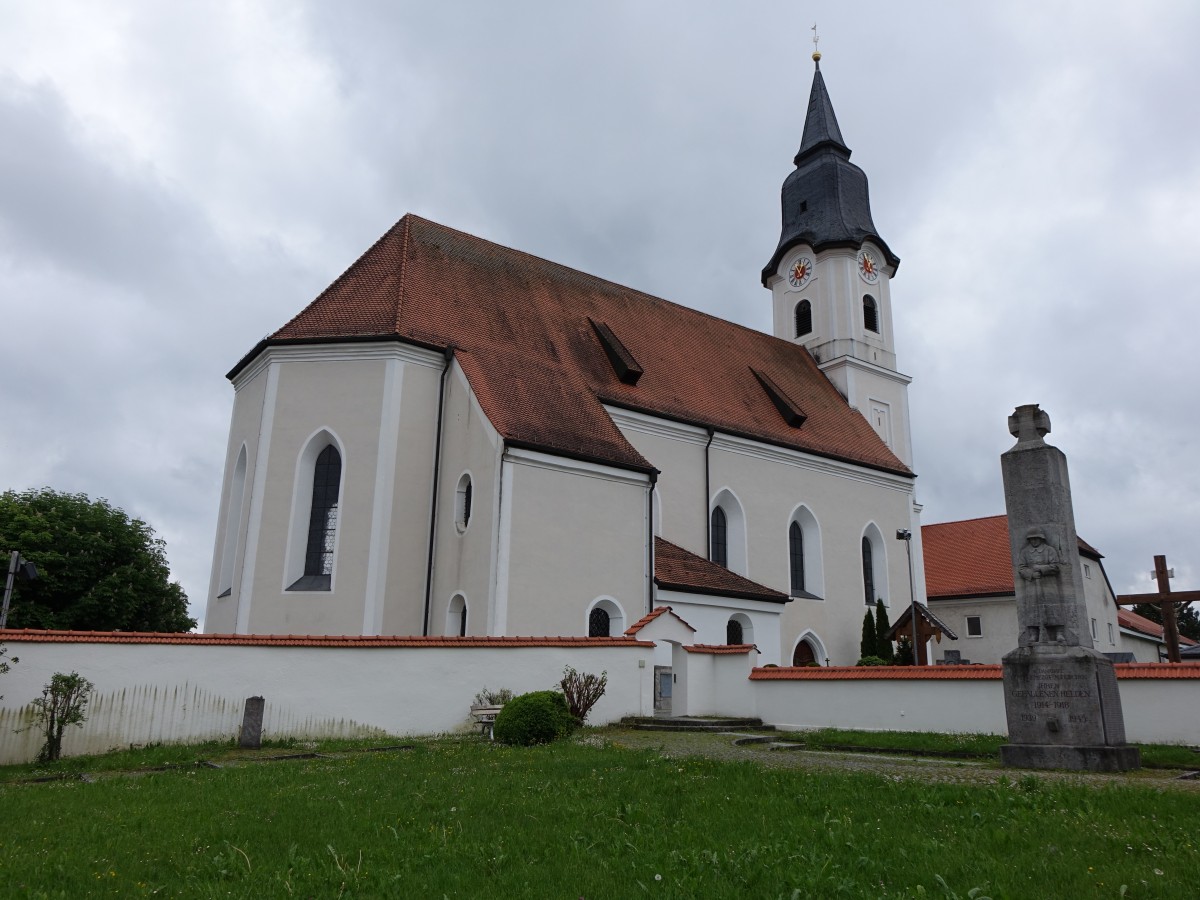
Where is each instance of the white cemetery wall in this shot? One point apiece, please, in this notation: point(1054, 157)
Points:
point(194, 688)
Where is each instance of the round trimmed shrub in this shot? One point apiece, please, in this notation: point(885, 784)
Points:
point(872, 661)
point(538, 717)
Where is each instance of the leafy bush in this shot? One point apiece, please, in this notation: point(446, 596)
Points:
point(488, 697)
point(63, 702)
point(538, 717)
point(581, 691)
point(871, 661)
point(904, 652)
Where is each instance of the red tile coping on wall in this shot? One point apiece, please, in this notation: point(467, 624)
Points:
point(651, 616)
point(37, 636)
point(719, 649)
point(951, 673)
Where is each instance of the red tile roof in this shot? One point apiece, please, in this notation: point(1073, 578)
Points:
point(651, 616)
point(1190, 671)
point(972, 558)
point(1127, 618)
point(719, 649)
point(35, 636)
point(676, 569)
point(520, 327)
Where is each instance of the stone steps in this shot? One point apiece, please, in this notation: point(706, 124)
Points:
point(692, 723)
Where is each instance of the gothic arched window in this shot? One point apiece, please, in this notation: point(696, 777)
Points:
point(803, 318)
point(870, 314)
point(719, 538)
point(868, 571)
point(322, 521)
point(796, 556)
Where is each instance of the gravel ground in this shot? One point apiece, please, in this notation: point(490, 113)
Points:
point(923, 769)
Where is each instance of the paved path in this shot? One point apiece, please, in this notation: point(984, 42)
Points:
point(919, 768)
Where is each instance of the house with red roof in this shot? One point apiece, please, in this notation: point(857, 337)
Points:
point(969, 584)
point(459, 438)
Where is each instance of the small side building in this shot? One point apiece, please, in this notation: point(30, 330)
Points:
point(969, 583)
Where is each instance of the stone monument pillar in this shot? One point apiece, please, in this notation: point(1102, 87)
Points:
point(1060, 694)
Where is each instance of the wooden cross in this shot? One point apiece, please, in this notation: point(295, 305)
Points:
point(1166, 601)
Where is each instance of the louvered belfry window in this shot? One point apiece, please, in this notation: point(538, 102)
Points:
point(322, 522)
point(870, 314)
point(720, 538)
point(803, 318)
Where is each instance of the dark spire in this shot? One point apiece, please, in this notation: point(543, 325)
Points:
point(825, 200)
point(820, 124)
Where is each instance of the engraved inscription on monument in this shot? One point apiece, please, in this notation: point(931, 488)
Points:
point(1060, 695)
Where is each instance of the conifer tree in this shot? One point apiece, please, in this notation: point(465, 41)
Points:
point(883, 645)
point(867, 647)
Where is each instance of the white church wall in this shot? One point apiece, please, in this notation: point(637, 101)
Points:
point(1159, 706)
point(844, 500)
point(677, 451)
point(194, 691)
point(464, 558)
point(571, 532)
point(710, 616)
point(221, 612)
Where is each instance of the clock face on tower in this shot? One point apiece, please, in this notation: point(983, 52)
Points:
point(868, 266)
point(800, 272)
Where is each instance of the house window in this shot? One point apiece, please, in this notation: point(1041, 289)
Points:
point(868, 566)
point(796, 556)
point(733, 632)
point(1093, 629)
point(870, 314)
point(1087, 571)
point(598, 622)
point(803, 318)
point(974, 626)
point(719, 538)
point(462, 503)
point(1111, 638)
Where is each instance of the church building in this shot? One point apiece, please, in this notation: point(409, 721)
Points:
point(458, 438)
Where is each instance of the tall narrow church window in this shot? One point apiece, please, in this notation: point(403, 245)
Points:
point(598, 622)
point(870, 314)
point(462, 503)
point(719, 538)
point(456, 616)
point(796, 556)
point(733, 632)
point(322, 522)
point(803, 318)
point(868, 572)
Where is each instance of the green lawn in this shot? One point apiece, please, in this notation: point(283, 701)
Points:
point(466, 818)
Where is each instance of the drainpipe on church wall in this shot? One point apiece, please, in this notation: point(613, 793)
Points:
point(433, 500)
point(650, 542)
point(708, 499)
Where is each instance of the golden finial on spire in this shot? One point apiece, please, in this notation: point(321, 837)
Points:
point(816, 42)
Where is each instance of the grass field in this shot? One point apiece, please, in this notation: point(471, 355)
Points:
point(465, 818)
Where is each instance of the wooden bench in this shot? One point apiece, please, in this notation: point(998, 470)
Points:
point(485, 718)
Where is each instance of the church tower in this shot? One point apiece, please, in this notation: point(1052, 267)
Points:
point(830, 276)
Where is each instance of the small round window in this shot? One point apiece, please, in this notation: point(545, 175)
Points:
point(462, 503)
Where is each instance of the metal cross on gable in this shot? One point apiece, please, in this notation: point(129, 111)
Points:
point(1165, 599)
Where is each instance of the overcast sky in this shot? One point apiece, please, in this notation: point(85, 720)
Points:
point(178, 179)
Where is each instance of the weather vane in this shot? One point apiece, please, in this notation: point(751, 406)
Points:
point(816, 44)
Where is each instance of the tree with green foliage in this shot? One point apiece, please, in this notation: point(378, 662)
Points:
point(63, 703)
point(1185, 616)
point(867, 646)
point(98, 569)
point(904, 652)
point(538, 717)
point(883, 644)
